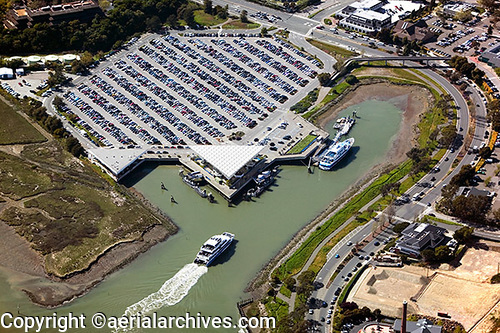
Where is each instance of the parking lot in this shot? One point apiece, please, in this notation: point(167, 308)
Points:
point(456, 38)
point(192, 90)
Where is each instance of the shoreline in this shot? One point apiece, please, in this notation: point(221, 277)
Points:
point(26, 270)
point(395, 155)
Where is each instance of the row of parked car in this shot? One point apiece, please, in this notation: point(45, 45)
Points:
point(157, 107)
point(139, 112)
point(454, 37)
point(290, 47)
point(98, 119)
point(117, 114)
point(248, 76)
point(189, 83)
point(228, 77)
point(223, 101)
point(279, 51)
point(258, 68)
point(9, 89)
point(160, 109)
point(267, 59)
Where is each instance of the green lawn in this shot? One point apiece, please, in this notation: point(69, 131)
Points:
point(14, 129)
point(277, 309)
point(237, 24)
point(334, 93)
point(205, 19)
point(332, 50)
point(285, 291)
point(302, 144)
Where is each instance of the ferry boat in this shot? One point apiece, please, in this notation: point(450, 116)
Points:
point(213, 248)
point(335, 153)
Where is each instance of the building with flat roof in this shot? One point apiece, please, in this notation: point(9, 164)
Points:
point(418, 237)
point(491, 56)
point(419, 326)
point(22, 17)
point(369, 16)
point(453, 8)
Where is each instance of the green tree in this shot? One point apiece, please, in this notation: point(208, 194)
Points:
point(263, 32)
point(324, 79)
point(58, 102)
point(243, 16)
point(153, 23)
point(208, 6)
point(398, 228)
point(490, 5)
point(290, 283)
point(56, 77)
point(442, 253)
point(463, 16)
point(171, 21)
point(472, 208)
point(485, 152)
point(464, 176)
point(351, 79)
point(428, 255)
point(463, 235)
point(448, 135)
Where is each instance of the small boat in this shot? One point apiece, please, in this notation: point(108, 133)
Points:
point(263, 181)
point(172, 199)
point(213, 248)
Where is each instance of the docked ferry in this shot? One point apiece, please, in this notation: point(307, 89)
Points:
point(335, 153)
point(213, 248)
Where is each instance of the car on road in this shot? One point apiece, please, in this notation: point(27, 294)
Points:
point(349, 243)
point(337, 256)
point(311, 311)
point(376, 243)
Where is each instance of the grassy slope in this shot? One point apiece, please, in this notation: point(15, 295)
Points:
point(205, 19)
point(14, 129)
point(237, 24)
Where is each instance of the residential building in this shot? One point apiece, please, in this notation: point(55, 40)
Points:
point(418, 237)
point(418, 31)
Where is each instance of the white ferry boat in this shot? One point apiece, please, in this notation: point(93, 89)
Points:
point(335, 153)
point(213, 248)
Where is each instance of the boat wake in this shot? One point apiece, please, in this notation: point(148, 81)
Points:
point(172, 291)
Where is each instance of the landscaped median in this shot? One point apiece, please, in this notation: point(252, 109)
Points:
point(302, 145)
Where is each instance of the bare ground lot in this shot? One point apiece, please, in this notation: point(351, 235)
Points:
point(464, 293)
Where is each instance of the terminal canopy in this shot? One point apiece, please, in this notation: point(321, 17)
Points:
point(227, 159)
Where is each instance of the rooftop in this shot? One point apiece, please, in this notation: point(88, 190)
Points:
point(116, 159)
point(227, 159)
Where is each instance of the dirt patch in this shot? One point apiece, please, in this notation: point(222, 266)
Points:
point(463, 292)
point(413, 100)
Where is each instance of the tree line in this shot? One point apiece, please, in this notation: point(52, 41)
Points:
point(52, 124)
point(103, 33)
